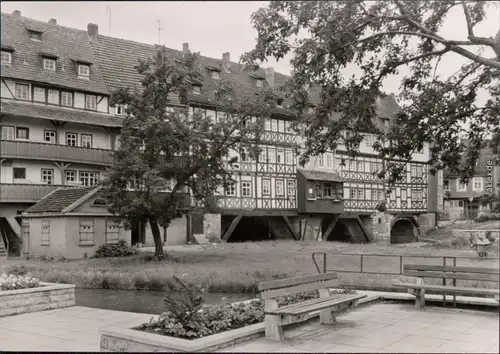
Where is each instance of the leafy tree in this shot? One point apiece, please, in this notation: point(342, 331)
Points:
point(166, 150)
point(381, 39)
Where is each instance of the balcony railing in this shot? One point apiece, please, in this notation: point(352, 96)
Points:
point(24, 193)
point(54, 152)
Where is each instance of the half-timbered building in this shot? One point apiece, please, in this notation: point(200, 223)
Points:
point(58, 128)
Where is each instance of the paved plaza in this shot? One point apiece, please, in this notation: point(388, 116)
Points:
point(371, 328)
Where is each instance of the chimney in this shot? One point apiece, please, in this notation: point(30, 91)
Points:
point(185, 48)
point(226, 62)
point(270, 76)
point(16, 13)
point(92, 31)
point(53, 21)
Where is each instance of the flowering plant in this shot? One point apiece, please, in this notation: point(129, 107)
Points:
point(15, 282)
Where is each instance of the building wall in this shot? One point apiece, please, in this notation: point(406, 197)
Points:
point(175, 233)
point(37, 127)
point(10, 210)
point(34, 171)
point(8, 90)
point(32, 243)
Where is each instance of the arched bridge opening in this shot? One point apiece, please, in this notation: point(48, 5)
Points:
point(404, 231)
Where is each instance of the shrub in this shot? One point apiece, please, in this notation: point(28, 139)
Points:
point(119, 249)
point(18, 270)
point(15, 282)
point(188, 318)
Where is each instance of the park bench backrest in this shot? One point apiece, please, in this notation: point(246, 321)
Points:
point(292, 286)
point(451, 272)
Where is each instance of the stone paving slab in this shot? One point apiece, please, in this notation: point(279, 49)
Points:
point(391, 328)
point(69, 329)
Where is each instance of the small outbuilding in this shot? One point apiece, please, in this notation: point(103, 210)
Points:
point(70, 222)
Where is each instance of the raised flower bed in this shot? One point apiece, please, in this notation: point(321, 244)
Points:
point(210, 329)
point(23, 294)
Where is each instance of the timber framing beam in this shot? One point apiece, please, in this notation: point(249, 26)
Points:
point(365, 231)
point(231, 227)
point(290, 228)
point(330, 227)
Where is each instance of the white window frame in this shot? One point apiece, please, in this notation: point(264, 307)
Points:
point(89, 178)
point(88, 99)
point(267, 124)
point(288, 157)
point(8, 132)
point(230, 190)
point(274, 125)
point(361, 193)
point(51, 135)
point(215, 75)
point(49, 91)
point(120, 110)
point(197, 89)
point(259, 83)
point(329, 160)
point(47, 176)
point(280, 188)
point(280, 156)
point(49, 64)
point(321, 161)
point(266, 186)
point(83, 73)
point(40, 90)
point(70, 176)
point(71, 137)
point(246, 189)
point(85, 139)
point(271, 155)
point(26, 91)
point(6, 57)
point(64, 99)
point(291, 189)
point(475, 180)
point(459, 185)
point(417, 195)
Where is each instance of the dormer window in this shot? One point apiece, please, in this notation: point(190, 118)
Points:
point(49, 64)
point(279, 102)
point(197, 89)
point(259, 82)
point(35, 35)
point(84, 70)
point(310, 110)
point(6, 57)
point(215, 75)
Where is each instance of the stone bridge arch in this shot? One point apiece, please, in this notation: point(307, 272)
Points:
point(404, 229)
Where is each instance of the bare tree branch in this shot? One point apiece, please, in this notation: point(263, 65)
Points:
point(479, 59)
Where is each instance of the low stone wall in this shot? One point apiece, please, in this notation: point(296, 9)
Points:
point(45, 297)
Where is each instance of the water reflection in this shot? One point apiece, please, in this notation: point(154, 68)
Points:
point(142, 301)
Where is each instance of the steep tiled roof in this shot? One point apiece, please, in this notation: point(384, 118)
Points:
point(67, 44)
point(60, 199)
point(28, 109)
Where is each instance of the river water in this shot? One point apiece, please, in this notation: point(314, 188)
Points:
point(143, 301)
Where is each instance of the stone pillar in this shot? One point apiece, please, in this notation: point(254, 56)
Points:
point(381, 228)
point(212, 226)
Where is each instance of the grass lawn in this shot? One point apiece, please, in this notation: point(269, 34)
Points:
point(240, 267)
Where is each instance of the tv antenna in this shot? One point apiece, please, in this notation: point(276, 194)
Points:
point(159, 30)
point(109, 18)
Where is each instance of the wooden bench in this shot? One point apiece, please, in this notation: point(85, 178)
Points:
point(448, 272)
point(275, 318)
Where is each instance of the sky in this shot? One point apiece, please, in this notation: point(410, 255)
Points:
point(210, 27)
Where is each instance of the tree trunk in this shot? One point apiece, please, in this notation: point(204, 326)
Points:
point(155, 229)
